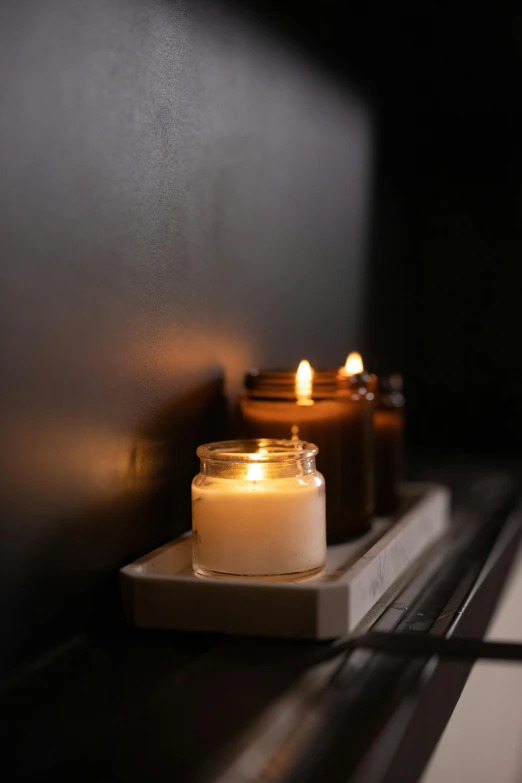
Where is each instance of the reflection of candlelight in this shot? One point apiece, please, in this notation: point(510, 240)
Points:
point(303, 383)
point(254, 472)
point(354, 364)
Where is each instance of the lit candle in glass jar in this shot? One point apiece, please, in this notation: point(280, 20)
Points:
point(329, 411)
point(358, 387)
point(388, 426)
point(258, 510)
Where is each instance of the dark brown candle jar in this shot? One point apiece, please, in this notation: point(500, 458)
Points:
point(389, 426)
point(335, 413)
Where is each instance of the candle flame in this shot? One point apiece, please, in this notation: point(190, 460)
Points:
point(303, 383)
point(304, 371)
point(354, 364)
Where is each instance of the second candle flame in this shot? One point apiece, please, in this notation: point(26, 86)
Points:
point(303, 383)
point(354, 364)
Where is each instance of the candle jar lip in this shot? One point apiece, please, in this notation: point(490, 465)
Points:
point(326, 383)
point(284, 377)
point(257, 450)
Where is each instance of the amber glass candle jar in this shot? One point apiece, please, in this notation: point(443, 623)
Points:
point(336, 414)
point(389, 426)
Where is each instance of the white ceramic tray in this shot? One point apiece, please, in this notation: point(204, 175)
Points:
point(160, 590)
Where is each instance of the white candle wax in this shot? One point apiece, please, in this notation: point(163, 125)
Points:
point(266, 527)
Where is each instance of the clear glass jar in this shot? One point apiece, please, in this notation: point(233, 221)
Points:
point(339, 419)
point(258, 510)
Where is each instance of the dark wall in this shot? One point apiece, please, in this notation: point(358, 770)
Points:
point(448, 244)
point(445, 239)
point(182, 197)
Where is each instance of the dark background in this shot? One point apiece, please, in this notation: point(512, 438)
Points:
point(192, 188)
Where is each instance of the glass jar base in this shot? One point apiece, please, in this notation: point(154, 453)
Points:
point(297, 576)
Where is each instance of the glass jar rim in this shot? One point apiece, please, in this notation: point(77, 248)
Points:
point(257, 450)
point(326, 383)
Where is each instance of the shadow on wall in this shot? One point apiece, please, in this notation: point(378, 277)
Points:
point(73, 582)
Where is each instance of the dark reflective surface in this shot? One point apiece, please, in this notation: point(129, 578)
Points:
point(130, 705)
